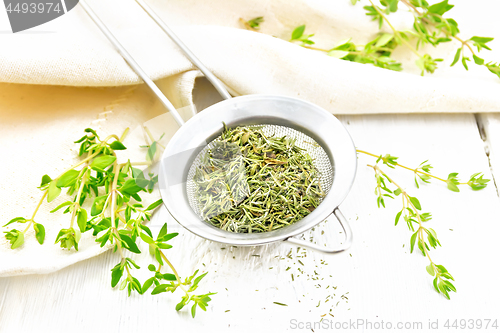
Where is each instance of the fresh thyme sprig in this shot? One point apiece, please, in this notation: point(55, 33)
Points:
point(411, 213)
point(411, 210)
point(429, 27)
point(117, 216)
point(423, 173)
point(253, 24)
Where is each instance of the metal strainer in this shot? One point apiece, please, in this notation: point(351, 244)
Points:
point(315, 129)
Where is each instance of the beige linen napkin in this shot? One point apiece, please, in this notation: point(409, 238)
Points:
point(64, 76)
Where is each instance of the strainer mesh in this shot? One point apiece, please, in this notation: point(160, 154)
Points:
point(318, 154)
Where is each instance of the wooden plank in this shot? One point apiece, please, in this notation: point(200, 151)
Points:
point(376, 280)
point(489, 125)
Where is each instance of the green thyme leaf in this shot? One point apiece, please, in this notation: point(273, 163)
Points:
point(68, 179)
point(154, 204)
point(82, 219)
point(440, 8)
point(457, 57)
point(45, 180)
point(39, 232)
point(255, 23)
point(100, 163)
point(298, 32)
point(53, 191)
point(477, 60)
point(117, 145)
point(415, 203)
point(430, 269)
point(16, 220)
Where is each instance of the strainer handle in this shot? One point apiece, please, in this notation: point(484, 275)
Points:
point(218, 85)
point(340, 248)
point(132, 63)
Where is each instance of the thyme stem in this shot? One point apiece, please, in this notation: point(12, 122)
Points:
point(396, 33)
point(407, 168)
point(36, 210)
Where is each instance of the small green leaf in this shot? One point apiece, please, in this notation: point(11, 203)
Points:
point(45, 180)
point(19, 241)
point(98, 205)
point(464, 62)
point(441, 269)
point(82, 219)
point(130, 244)
point(457, 57)
point(68, 178)
point(412, 241)
point(101, 162)
point(430, 269)
point(150, 155)
point(130, 187)
point(254, 23)
point(398, 215)
point(415, 203)
point(157, 254)
point(193, 310)
point(440, 8)
point(132, 262)
point(481, 40)
point(164, 246)
point(163, 231)
point(339, 54)
point(167, 237)
point(392, 5)
point(39, 232)
point(453, 187)
point(146, 238)
point(14, 220)
point(154, 204)
point(147, 284)
point(298, 32)
point(53, 191)
point(169, 277)
point(116, 275)
point(450, 285)
point(78, 236)
point(117, 145)
point(198, 279)
point(477, 60)
point(443, 290)
point(384, 39)
point(434, 282)
point(181, 304)
point(64, 204)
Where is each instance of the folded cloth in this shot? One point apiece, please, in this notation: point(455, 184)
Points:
point(63, 76)
point(73, 51)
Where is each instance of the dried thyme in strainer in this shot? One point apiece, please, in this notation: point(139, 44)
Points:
point(248, 182)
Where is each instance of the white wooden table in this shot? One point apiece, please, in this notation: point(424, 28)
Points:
point(376, 280)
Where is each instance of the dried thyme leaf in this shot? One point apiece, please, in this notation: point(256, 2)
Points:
point(248, 182)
